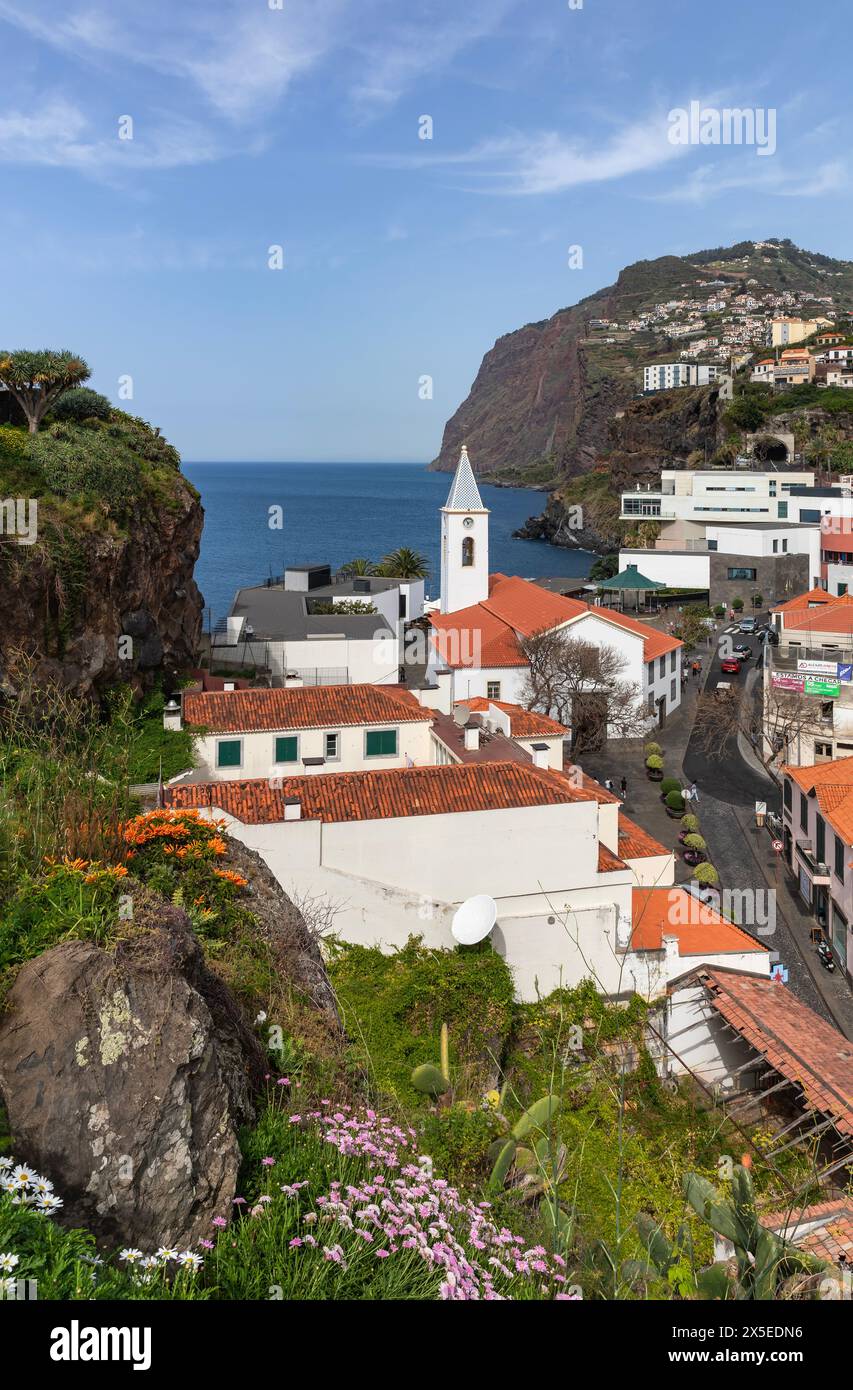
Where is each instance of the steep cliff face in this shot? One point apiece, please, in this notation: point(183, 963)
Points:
point(550, 390)
point(105, 591)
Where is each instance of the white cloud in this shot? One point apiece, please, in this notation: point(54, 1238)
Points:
point(58, 134)
point(774, 179)
point(522, 165)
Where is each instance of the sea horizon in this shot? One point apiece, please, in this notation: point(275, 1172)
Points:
point(331, 524)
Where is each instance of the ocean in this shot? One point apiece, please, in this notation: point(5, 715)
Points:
point(334, 512)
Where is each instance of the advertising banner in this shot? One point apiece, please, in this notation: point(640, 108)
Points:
point(780, 681)
point(816, 685)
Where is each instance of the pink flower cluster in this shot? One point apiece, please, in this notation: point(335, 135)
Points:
point(414, 1215)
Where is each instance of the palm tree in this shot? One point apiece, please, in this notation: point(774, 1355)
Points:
point(404, 564)
point(358, 567)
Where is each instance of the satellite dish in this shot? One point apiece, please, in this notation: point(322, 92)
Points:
point(473, 921)
point(462, 714)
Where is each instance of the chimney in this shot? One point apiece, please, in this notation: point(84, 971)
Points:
point(172, 714)
point(670, 955)
point(292, 808)
point(472, 737)
point(540, 754)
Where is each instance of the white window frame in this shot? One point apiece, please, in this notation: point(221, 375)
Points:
point(336, 735)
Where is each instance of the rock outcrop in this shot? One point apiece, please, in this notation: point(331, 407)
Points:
point(126, 1075)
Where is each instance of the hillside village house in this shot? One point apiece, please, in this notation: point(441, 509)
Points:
point(580, 890)
point(475, 638)
point(249, 733)
point(267, 733)
point(813, 661)
point(817, 815)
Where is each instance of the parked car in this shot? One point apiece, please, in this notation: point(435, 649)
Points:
point(746, 625)
point(743, 652)
point(730, 665)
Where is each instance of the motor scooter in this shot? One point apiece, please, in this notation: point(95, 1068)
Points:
point(825, 954)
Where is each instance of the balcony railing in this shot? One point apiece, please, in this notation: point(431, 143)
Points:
point(786, 658)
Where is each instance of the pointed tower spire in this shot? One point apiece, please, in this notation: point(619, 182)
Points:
point(464, 541)
point(464, 494)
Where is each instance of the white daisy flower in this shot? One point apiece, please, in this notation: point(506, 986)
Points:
point(42, 1186)
point(5, 1162)
point(165, 1254)
point(8, 1261)
point(130, 1254)
point(23, 1175)
point(9, 1185)
point(48, 1203)
point(190, 1260)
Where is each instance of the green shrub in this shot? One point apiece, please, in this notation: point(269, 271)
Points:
point(670, 784)
point(675, 801)
point(652, 750)
point(689, 823)
point(14, 443)
point(78, 460)
point(654, 762)
point(82, 404)
point(719, 610)
point(694, 842)
point(737, 605)
point(706, 874)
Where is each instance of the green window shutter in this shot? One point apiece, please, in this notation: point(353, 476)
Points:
point(228, 753)
point(287, 749)
point(381, 743)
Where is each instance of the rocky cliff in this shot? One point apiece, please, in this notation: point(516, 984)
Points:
point(104, 590)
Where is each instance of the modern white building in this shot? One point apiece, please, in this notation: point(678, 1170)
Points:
point(665, 376)
point(716, 494)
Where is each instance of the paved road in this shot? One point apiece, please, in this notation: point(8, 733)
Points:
point(729, 778)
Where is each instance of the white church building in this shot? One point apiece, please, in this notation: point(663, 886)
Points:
point(475, 638)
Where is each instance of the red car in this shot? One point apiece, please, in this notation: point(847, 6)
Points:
point(731, 666)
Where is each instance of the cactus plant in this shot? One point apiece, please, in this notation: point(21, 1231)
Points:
point(533, 1121)
point(434, 1080)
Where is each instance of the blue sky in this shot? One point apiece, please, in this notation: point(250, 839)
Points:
point(298, 126)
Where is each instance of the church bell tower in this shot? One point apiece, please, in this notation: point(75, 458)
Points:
point(464, 542)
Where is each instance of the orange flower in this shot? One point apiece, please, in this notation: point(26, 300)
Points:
point(231, 877)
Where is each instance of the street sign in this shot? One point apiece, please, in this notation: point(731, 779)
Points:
point(780, 681)
point(778, 846)
point(845, 673)
point(779, 972)
point(818, 668)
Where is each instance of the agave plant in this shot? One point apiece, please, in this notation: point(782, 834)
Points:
point(762, 1262)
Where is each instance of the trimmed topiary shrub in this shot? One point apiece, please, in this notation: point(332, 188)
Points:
point(694, 842)
point(674, 802)
point(670, 784)
point(707, 875)
point(719, 610)
point(689, 824)
point(737, 605)
point(82, 404)
point(652, 750)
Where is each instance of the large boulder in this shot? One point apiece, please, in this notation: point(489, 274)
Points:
point(126, 1075)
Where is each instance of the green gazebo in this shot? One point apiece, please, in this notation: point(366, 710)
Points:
point(629, 581)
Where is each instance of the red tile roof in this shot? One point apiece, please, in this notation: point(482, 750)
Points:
point(824, 1229)
point(314, 707)
point(607, 861)
point(660, 912)
point(796, 1042)
point(487, 633)
point(832, 786)
point(803, 600)
point(386, 794)
point(637, 843)
point(524, 723)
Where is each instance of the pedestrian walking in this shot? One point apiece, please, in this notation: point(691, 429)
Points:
point(694, 792)
point(623, 787)
point(608, 784)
